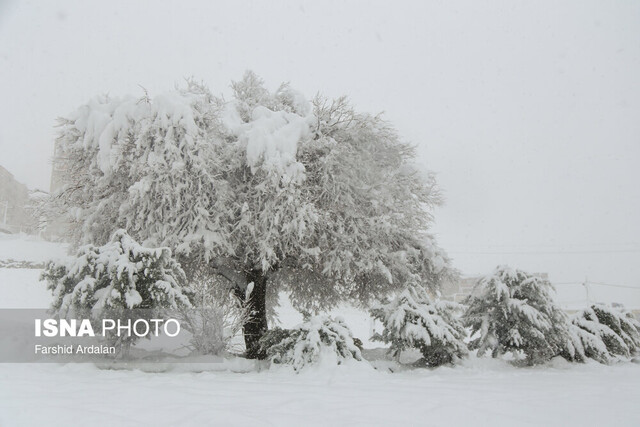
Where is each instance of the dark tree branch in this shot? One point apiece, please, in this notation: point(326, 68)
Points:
point(227, 268)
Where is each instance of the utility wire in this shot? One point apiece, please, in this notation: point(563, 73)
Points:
point(548, 245)
point(546, 252)
point(597, 283)
point(613, 286)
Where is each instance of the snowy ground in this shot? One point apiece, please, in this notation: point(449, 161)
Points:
point(237, 392)
point(487, 393)
point(21, 247)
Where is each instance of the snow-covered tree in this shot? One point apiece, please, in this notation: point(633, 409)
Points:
point(587, 344)
point(412, 321)
point(112, 280)
point(607, 333)
point(266, 188)
point(321, 339)
point(513, 311)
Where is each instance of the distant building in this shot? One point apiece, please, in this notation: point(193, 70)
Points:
point(457, 290)
point(14, 197)
point(25, 211)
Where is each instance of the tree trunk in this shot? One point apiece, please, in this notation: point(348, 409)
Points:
point(256, 324)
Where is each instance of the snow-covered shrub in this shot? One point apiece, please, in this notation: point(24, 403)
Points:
point(622, 323)
point(110, 281)
point(413, 321)
point(513, 311)
point(587, 345)
point(215, 318)
point(607, 333)
point(320, 339)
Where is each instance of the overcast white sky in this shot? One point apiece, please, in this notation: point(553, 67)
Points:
point(528, 111)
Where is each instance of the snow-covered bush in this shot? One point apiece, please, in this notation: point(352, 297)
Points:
point(215, 319)
point(587, 345)
point(112, 280)
point(607, 333)
point(513, 311)
point(320, 339)
point(413, 321)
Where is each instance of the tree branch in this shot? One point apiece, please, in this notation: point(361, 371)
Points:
point(227, 268)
